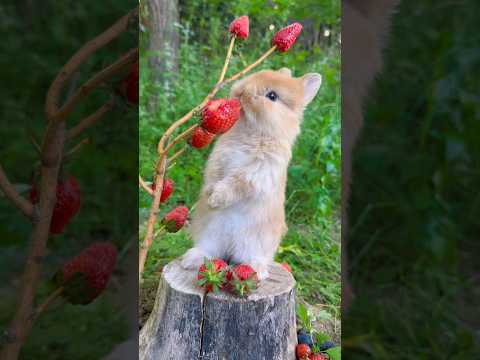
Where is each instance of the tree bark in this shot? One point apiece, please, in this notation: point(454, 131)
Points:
point(163, 43)
point(187, 325)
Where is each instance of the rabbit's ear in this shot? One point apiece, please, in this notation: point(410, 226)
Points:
point(285, 71)
point(311, 84)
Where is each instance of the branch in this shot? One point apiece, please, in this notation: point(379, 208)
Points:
point(76, 148)
point(51, 103)
point(144, 185)
point(227, 59)
point(12, 194)
point(91, 119)
point(129, 58)
point(44, 306)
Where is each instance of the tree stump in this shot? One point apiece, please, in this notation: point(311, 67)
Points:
point(186, 324)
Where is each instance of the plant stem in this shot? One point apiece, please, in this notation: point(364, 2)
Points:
point(227, 59)
point(44, 306)
point(144, 185)
point(91, 119)
point(12, 194)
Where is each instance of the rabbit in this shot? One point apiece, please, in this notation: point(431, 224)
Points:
point(240, 215)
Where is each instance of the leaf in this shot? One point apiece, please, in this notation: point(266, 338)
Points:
point(335, 353)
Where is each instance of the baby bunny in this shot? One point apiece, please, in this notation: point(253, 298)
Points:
point(240, 214)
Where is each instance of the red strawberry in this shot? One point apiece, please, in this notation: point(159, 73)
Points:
point(131, 84)
point(286, 37)
point(211, 275)
point(242, 279)
point(303, 351)
point(86, 275)
point(67, 204)
point(219, 115)
point(167, 189)
point(175, 219)
point(317, 356)
point(201, 138)
point(287, 267)
point(239, 27)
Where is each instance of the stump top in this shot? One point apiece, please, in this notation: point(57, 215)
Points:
point(280, 281)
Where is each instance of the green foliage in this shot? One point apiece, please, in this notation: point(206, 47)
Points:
point(415, 195)
point(311, 246)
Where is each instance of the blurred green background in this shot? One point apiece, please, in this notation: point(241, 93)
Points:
point(38, 37)
point(415, 205)
point(312, 245)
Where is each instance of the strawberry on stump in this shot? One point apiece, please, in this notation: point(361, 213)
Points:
point(212, 275)
point(86, 275)
point(175, 219)
point(242, 280)
point(303, 352)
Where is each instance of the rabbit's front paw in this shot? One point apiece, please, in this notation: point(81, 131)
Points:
point(219, 198)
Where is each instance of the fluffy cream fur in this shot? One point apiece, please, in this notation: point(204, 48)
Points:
point(240, 215)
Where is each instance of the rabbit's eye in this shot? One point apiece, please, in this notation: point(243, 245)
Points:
point(272, 95)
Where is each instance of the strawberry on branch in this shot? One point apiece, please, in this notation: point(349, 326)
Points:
point(217, 117)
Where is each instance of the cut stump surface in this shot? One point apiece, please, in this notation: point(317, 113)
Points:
point(187, 325)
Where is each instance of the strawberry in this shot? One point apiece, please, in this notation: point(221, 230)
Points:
point(131, 84)
point(67, 204)
point(175, 219)
point(239, 27)
point(211, 275)
point(166, 191)
point(219, 115)
point(286, 37)
point(303, 351)
point(317, 356)
point(86, 275)
point(201, 138)
point(242, 279)
point(286, 267)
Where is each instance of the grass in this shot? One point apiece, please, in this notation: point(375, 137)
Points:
point(415, 194)
point(312, 244)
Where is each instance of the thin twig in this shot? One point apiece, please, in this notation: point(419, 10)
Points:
point(144, 185)
point(91, 119)
point(48, 301)
point(176, 155)
point(12, 194)
point(227, 59)
point(129, 58)
point(182, 136)
point(77, 147)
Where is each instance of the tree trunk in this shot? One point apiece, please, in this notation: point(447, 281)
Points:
point(163, 43)
point(187, 325)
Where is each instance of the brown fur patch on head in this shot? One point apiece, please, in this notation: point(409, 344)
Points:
point(252, 91)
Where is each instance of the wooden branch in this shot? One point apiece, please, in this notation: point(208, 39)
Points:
point(176, 155)
point(44, 306)
point(144, 185)
point(129, 58)
point(227, 59)
point(91, 119)
point(84, 53)
point(12, 194)
point(182, 136)
point(77, 148)
point(153, 216)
